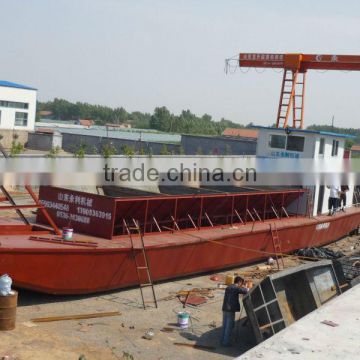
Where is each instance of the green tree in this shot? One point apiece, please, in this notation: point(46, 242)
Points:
point(119, 116)
point(161, 119)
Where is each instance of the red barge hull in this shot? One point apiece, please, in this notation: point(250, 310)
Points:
point(56, 269)
point(96, 264)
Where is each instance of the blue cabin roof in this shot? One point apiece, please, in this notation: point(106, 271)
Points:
point(15, 85)
point(319, 132)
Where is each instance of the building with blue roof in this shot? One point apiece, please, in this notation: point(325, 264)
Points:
point(17, 106)
point(326, 148)
point(299, 143)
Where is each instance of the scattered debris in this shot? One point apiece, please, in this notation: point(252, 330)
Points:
point(321, 253)
point(167, 329)
point(195, 296)
point(212, 325)
point(75, 317)
point(200, 291)
point(263, 267)
point(149, 335)
point(85, 327)
point(127, 356)
point(183, 293)
point(257, 275)
point(330, 323)
point(29, 324)
point(217, 277)
point(193, 300)
point(195, 346)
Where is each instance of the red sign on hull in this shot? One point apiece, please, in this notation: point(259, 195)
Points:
point(84, 212)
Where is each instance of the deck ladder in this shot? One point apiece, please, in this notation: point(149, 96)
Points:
point(277, 245)
point(142, 265)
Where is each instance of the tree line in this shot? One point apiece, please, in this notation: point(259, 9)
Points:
point(161, 119)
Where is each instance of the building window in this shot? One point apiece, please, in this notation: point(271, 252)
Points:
point(277, 141)
point(295, 143)
point(14, 104)
point(21, 118)
point(322, 146)
point(335, 148)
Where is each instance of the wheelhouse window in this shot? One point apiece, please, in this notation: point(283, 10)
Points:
point(322, 146)
point(335, 148)
point(277, 141)
point(21, 119)
point(295, 143)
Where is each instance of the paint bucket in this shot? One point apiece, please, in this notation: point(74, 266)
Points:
point(229, 279)
point(183, 319)
point(8, 305)
point(67, 233)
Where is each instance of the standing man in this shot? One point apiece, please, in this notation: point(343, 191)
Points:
point(231, 305)
point(342, 203)
point(334, 198)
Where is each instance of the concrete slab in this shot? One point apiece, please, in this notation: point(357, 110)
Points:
point(309, 338)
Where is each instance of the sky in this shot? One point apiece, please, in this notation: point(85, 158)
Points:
point(147, 53)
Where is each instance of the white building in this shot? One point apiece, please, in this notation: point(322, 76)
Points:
point(305, 144)
point(17, 106)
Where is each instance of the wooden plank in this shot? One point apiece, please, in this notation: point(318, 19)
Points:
point(75, 317)
point(65, 242)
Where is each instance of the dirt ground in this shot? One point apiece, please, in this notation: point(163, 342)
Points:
point(121, 337)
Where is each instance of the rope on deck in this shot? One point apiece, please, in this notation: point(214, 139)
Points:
point(267, 253)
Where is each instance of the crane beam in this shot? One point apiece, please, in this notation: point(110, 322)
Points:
point(300, 62)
